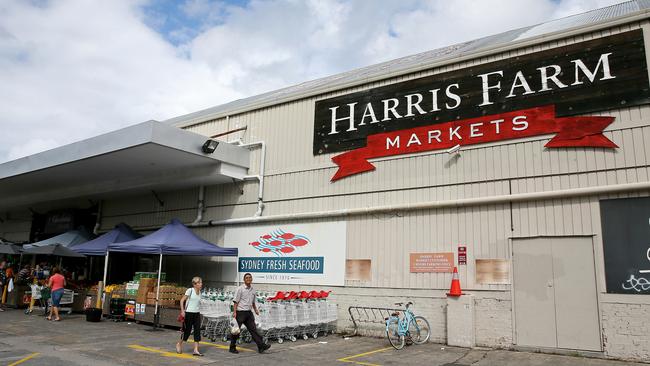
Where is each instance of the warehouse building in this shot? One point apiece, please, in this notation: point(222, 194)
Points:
point(521, 158)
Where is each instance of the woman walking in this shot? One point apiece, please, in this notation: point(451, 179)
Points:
point(192, 318)
point(56, 284)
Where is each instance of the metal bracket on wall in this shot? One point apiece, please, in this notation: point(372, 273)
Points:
point(240, 187)
point(160, 202)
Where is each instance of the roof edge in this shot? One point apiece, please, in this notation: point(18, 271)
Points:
point(187, 120)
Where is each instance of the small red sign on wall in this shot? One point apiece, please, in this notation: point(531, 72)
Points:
point(462, 255)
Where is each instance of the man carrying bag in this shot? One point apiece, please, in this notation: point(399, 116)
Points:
point(244, 302)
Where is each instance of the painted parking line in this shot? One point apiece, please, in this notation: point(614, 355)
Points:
point(349, 359)
point(24, 359)
point(221, 346)
point(163, 353)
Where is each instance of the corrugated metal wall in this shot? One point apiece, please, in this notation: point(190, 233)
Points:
point(297, 181)
point(15, 226)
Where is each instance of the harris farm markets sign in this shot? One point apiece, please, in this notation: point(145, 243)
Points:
point(544, 93)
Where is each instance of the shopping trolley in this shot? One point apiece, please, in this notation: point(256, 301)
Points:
point(66, 299)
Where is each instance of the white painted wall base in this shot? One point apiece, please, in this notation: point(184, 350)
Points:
point(460, 321)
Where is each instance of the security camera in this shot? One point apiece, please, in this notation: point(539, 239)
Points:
point(453, 150)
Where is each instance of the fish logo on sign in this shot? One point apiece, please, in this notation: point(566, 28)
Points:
point(280, 243)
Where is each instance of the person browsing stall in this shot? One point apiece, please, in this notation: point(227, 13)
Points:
point(56, 283)
point(192, 317)
point(244, 302)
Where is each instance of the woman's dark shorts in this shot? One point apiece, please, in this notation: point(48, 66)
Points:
point(56, 297)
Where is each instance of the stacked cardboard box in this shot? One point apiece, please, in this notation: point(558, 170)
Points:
point(170, 296)
point(145, 286)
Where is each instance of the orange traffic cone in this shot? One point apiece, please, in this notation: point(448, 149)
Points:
point(455, 284)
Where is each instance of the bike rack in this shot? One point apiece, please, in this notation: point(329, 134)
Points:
point(362, 314)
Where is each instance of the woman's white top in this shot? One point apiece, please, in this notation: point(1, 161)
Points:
point(192, 301)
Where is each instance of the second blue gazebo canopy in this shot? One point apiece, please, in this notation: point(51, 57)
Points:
point(172, 239)
point(99, 246)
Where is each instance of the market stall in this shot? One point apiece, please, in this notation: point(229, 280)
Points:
point(172, 239)
point(11, 298)
point(147, 291)
point(99, 247)
point(60, 251)
point(67, 240)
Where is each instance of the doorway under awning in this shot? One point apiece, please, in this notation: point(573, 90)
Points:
point(147, 156)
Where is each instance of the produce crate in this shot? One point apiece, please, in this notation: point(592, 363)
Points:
point(140, 275)
point(168, 316)
point(117, 306)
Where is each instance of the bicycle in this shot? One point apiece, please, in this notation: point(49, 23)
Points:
point(408, 328)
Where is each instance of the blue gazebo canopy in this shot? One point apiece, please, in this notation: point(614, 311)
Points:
point(172, 239)
point(98, 246)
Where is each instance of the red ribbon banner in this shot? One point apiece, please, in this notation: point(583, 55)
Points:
point(570, 132)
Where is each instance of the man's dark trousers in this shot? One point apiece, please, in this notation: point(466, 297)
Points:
point(248, 319)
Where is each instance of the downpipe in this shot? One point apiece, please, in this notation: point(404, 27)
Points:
point(98, 222)
point(200, 207)
point(198, 221)
point(259, 177)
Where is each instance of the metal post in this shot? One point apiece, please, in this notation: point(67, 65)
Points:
point(100, 290)
point(156, 316)
point(105, 266)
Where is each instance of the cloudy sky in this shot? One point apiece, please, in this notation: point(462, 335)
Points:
point(72, 69)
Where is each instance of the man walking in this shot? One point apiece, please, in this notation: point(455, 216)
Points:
point(244, 302)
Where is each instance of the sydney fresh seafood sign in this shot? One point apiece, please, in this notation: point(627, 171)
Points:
point(293, 254)
point(552, 92)
point(281, 244)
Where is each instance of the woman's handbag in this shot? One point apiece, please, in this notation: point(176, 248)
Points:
point(181, 317)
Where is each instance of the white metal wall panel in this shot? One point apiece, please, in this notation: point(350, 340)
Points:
point(387, 239)
point(296, 181)
point(570, 217)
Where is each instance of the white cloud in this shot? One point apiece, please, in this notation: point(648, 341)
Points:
point(571, 7)
point(74, 69)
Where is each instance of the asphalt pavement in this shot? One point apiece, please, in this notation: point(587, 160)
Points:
point(31, 340)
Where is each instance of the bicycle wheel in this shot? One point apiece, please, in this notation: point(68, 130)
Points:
point(419, 330)
point(392, 333)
